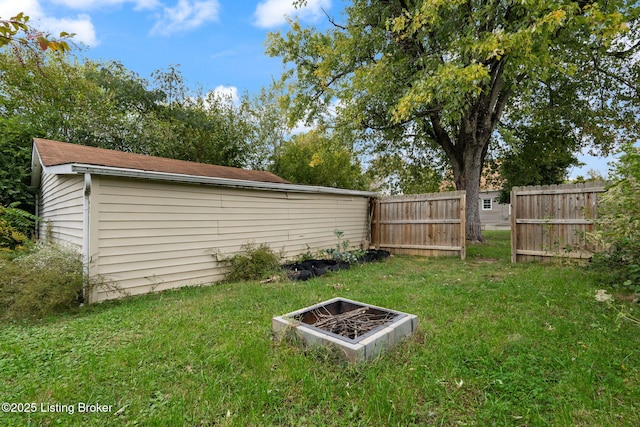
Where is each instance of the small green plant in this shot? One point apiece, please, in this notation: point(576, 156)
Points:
point(341, 252)
point(48, 279)
point(253, 263)
point(620, 265)
point(623, 311)
point(16, 229)
point(617, 227)
point(306, 255)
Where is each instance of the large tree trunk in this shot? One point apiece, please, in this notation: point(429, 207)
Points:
point(467, 145)
point(466, 157)
point(467, 173)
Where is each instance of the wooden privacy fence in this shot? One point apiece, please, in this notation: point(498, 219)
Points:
point(422, 224)
point(551, 221)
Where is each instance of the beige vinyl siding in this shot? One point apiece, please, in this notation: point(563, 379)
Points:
point(60, 206)
point(156, 235)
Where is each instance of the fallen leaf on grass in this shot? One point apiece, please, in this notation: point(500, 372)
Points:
point(603, 296)
point(120, 411)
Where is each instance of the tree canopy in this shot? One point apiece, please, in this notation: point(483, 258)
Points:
point(103, 104)
point(315, 158)
point(445, 75)
point(16, 30)
point(538, 152)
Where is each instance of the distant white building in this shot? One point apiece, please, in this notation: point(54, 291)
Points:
point(493, 215)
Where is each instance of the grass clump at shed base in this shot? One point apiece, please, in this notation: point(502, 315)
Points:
point(497, 344)
point(44, 280)
point(253, 262)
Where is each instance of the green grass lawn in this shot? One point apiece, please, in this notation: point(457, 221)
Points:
point(497, 344)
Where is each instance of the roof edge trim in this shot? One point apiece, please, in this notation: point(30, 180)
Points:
point(222, 182)
point(36, 166)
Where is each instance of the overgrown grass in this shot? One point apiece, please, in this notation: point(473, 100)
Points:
point(254, 262)
point(498, 344)
point(43, 280)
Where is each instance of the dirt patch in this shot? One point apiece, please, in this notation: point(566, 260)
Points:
point(484, 260)
point(633, 298)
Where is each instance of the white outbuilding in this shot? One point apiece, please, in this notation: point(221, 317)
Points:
point(145, 224)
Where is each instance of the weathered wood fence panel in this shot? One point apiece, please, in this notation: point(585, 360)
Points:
point(421, 224)
point(551, 221)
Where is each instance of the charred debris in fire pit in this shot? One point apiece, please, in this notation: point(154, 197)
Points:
point(359, 330)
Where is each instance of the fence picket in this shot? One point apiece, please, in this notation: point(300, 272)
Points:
point(551, 221)
point(423, 224)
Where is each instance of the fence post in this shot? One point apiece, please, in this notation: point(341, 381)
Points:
point(378, 225)
point(514, 225)
point(463, 226)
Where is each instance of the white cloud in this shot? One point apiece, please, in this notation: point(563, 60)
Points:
point(95, 4)
point(332, 111)
point(10, 8)
point(183, 15)
point(227, 92)
point(301, 127)
point(186, 15)
point(223, 53)
point(272, 13)
point(80, 24)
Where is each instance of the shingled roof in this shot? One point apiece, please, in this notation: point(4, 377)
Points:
point(54, 153)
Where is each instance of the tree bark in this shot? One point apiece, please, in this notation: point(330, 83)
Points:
point(467, 148)
point(468, 179)
point(466, 157)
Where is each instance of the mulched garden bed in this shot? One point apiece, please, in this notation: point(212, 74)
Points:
point(318, 267)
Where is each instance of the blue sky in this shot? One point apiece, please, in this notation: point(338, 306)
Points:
point(219, 44)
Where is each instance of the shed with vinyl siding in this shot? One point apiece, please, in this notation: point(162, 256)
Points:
point(145, 224)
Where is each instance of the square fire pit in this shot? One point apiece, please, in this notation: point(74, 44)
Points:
point(360, 330)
